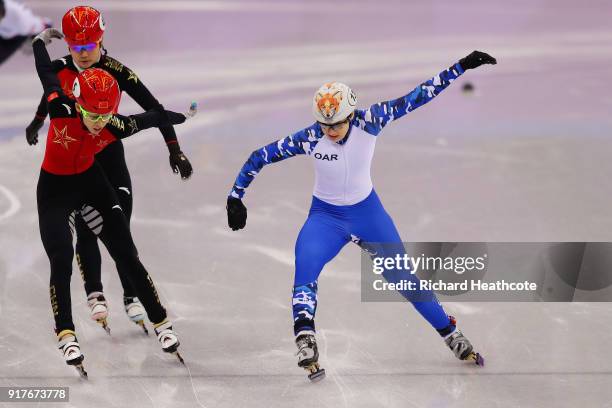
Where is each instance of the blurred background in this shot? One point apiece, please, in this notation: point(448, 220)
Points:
point(519, 154)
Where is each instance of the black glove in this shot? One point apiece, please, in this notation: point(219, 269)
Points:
point(236, 213)
point(476, 59)
point(32, 130)
point(179, 162)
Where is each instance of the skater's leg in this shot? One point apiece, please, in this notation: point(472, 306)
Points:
point(116, 236)
point(57, 202)
point(112, 161)
point(319, 241)
point(87, 249)
point(371, 223)
point(88, 221)
point(53, 215)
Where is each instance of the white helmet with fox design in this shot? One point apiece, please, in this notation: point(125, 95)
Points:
point(333, 103)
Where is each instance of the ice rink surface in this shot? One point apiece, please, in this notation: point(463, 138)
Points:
point(524, 158)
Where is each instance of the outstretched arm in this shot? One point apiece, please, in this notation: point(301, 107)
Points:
point(374, 119)
point(301, 142)
point(124, 126)
point(133, 86)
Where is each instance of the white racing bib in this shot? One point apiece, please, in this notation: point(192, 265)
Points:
point(342, 171)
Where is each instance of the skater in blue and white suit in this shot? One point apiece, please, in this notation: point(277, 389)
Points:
point(345, 207)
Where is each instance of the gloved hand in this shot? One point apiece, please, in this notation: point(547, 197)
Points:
point(179, 162)
point(476, 59)
point(32, 130)
point(48, 35)
point(175, 118)
point(236, 213)
point(192, 111)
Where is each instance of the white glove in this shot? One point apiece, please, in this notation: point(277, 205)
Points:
point(48, 35)
point(193, 110)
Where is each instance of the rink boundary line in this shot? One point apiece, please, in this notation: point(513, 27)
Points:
point(477, 372)
point(14, 203)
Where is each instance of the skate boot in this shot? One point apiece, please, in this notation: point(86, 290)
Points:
point(135, 311)
point(168, 339)
point(98, 309)
point(69, 346)
point(308, 355)
point(461, 346)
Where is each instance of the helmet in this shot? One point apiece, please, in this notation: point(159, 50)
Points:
point(97, 91)
point(333, 103)
point(82, 25)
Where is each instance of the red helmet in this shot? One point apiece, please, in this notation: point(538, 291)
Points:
point(82, 25)
point(97, 91)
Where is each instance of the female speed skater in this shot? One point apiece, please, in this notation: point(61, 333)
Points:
point(345, 207)
point(70, 178)
point(83, 28)
point(18, 25)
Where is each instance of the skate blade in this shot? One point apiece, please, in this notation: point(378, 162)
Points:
point(180, 358)
point(142, 325)
point(77, 363)
point(477, 358)
point(81, 370)
point(316, 372)
point(104, 323)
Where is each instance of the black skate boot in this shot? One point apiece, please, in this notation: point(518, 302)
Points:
point(308, 355)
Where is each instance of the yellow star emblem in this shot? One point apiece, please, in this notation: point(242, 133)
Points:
point(132, 76)
point(62, 138)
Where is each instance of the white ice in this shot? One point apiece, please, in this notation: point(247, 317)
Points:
point(525, 158)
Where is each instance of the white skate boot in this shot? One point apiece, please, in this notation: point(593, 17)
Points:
point(135, 311)
point(69, 346)
point(98, 309)
point(461, 346)
point(308, 355)
point(167, 338)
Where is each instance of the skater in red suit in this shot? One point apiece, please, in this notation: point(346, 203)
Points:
point(70, 178)
point(83, 28)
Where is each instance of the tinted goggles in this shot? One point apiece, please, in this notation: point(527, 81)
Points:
point(78, 48)
point(95, 117)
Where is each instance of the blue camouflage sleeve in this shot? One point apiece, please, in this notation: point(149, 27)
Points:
point(374, 119)
point(302, 142)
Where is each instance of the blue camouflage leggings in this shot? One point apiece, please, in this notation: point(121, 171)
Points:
point(326, 231)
